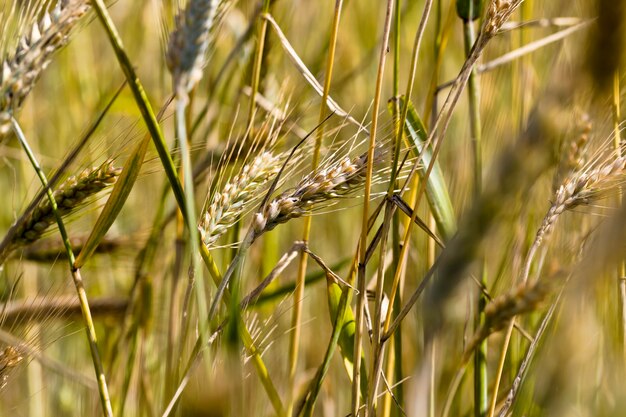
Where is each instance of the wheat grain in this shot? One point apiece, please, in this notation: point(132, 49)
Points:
point(21, 70)
point(226, 206)
point(69, 196)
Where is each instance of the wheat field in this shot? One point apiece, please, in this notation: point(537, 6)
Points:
point(312, 208)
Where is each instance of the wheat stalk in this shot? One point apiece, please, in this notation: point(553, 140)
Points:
point(21, 70)
point(337, 180)
point(69, 196)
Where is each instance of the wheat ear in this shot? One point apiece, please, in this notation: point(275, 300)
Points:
point(10, 357)
point(573, 153)
point(583, 188)
point(21, 70)
point(189, 42)
point(69, 196)
point(227, 205)
point(499, 312)
point(336, 180)
point(498, 12)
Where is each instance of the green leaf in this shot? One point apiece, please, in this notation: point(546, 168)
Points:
point(347, 335)
point(116, 201)
point(436, 188)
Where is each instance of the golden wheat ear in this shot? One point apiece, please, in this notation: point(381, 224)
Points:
point(22, 68)
point(10, 357)
point(524, 299)
point(338, 179)
point(226, 206)
point(190, 40)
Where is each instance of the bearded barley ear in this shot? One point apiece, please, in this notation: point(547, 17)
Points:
point(337, 180)
point(21, 70)
point(189, 42)
point(228, 204)
point(69, 197)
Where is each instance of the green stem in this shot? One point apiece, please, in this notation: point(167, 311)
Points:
point(258, 60)
point(300, 279)
point(78, 281)
point(334, 339)
point(481, 396)
point(190, 217)
point(395, 225)
point(142, 101)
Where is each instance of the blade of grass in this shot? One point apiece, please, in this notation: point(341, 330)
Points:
point(115, 203)
point(308, 76)
point(524, 50)
point(118, 197)
point(436, 189)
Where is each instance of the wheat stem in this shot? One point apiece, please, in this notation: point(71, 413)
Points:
point(192, 224)
point(258, 60)
point(78, 281)
point(361, 272)
point(142, 101)
point(298, 294)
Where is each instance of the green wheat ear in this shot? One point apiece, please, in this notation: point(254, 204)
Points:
point(70, 195)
